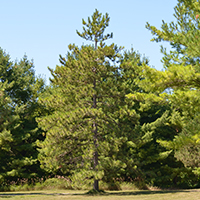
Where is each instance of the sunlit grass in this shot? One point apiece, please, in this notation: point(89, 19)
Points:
point(109, 195)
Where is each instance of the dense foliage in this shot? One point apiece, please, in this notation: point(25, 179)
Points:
point(19, 130)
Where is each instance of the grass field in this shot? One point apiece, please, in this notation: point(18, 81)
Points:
point(109, 195)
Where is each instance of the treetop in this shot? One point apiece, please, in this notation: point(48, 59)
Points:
point(94, 28)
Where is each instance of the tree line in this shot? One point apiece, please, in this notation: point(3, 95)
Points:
point(107, 115)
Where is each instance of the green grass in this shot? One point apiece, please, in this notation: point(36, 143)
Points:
point(109, 195)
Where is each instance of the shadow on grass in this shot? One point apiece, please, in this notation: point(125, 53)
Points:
point(121, 193)
point(9, 195)
point(142, 192)
point(145, 192)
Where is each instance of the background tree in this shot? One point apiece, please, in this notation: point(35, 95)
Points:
point(23, 90)
point(179, 83)
point(6, 115)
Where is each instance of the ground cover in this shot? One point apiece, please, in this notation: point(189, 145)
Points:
point(193, 194)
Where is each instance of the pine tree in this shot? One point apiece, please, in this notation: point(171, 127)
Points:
point(179, 84)
point(83, 81)
point(20, 130)
point(95, 33)
point(90, 115)
point(91, 127)
point(181, 76)
point(6, 117)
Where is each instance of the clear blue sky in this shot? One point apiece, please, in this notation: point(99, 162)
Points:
point(42, 29)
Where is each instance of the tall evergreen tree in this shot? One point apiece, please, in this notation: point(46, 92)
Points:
point(22, 91)
point(83, 90)
point(94, 131)
point(91, 121)
point(6, 117)
point(95, 33)
point(182, 62)
point(179, 84)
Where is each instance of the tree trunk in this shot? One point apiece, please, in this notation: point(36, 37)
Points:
point(95, 129)
point(96, 182)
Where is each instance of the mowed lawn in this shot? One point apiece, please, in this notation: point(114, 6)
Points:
point(109, 195)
